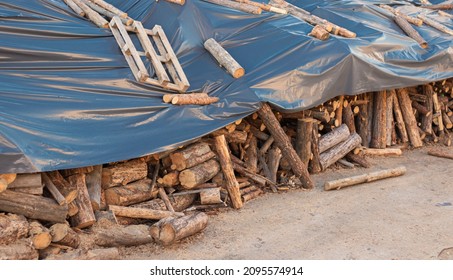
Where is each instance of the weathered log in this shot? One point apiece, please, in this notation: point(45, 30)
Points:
point(303, 139)
point(19, 250)
point(319, 33)
point(358, 159)
point(69, 172)
point(237, 6)
point(188, 157)
point(33, 207)
point(314, 165)
point(413, 20)
point(365, 178)
point(399, 120)
point(210, 196)
point(187, 99)
point(441, 6)
point(409, 118)
point(339, 111)
point(92, 15)
point(123, 236)
point(3, 185)
point(170, 179)
point(264, 7)
point(123, 173)
point(67, 190)
point(274, 157)
point(348, 118)
point(62, 234)
point(252, 194)
point(73, 209)
point(438, 112)
point(105, 218)
point(266, 145)
point(142, 213)
point(130, 194)
point(179, 2)
point(59, 198)
point(389, 124)
point(49, 252)
point(163, 195)
point(435, 24)
point(362, 120)
point(94, 254)
point(125, 20)
point(38, 190)
point(169, 231)
point(199, 174)
point(238, 167)
point(334, 137)
point(442, 154)
point(231, 184)
point(222, 56)
point(39, 235)
point(339, 151)
point(74, 7)
point(410, 31)
point(379, 136)
point(446, 120)
point(85, 216)
point(12, 228)
point(26, 181)
point(282, 141)
point(251, 156)
point(9, 178)
point(109, 7)
point(94, 186)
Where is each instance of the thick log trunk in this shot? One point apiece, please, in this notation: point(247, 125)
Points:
point(199, 174)
point(333, 138)
point(237, 6)
point(19, 250)
point(231, 184)
point(39, 235)
point(142, 213)
point(319, 33)
point(169, 231)
point(362, 120)
point(188, 157)
point(410, 31)
point(67, 190)
point(92, 15)
point(110, 7)
point(130, 194)
point(62, 234)
point(303, 139)
point(222, 56)
point(94, 186)
point(365, 178)
point(409, 118)
point(282, 141)
point(85, 216)
point(12, 228)
point(315, 165)
point(210, 196)
point(126, 21)
point(274, 157)
point(399, 120)
point(251, 157)
point(33, 207)
point(389, 127)
point(123, 173)
point(339, 151)
point(123, 236)
point(379, 136)
point(348, 118)
point(94, 254)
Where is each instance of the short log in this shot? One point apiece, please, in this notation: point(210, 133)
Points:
point(124, 173)
point(62, 234)
point(333, 138)
point(130, 194)
point(339, 151)
point(222, 56)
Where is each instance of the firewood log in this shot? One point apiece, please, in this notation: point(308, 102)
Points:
point(74, 7)
point(435, 24)
point(130, 194)
point(188, 157)
point(92, 15)
point(163, 195)
point(168, 231)
point(142, 213)
point(12, 228)
point(199, 174)
point(399, 120)
point(26, 181)
point(237, 6)
point(9, 178)
point(110, 8)
point(303, 139)
point(94, 186)
point(282, 141)
point(252, 194)
point(124, 173)
point(94, 254)
point(39, 235)
point(274, 158)
point(442, 154)
point(69, 172)
point(33, 207)
point(315, 165)
point(358, 159)
point(222, 56)
point(410, 31)
point(413, 20)
point(62, 234)
point(389, 127)
point(187, 99)
point(365, 178)
point(210, 196)
point(105, 218)
point(170, 179)
point(334, 137)
point(85, 216)
point(132, 235)
point(348, 118)
point(19, 250)
point(339, 151)
point(59, 198)
point(441, 6)
point(68, 191)
point(251, 157)
point(362, 120)
point(379, 136)
point(409, 118)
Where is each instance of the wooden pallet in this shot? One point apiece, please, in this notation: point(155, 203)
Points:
point(168, 72)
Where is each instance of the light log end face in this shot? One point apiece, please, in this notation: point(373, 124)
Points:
point(239, 73)
point(187, 179)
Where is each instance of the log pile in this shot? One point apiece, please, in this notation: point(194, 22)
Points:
point(161, 197)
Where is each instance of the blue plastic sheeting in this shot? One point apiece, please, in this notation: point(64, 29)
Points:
point(68, 97)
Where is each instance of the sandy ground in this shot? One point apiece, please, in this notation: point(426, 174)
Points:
point(409, 217)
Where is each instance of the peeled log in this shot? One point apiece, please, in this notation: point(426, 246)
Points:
point(365, 178)
point(187, 157)
point(123, 236)
point(123, 173)
point(199, 174)
point(130, 194)
point(410, 31)
point(339, 151)
point(62, 234)
point(12, 228)
point(223, 57)
point(32, 206)
point(334, 137)
point(20, 250)
point(379, 135)
point(210, 196)
point(169, 231)
point(85, 216)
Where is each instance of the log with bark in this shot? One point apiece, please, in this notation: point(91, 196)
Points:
point(142, 213)
point(210, 196)
point(12, 228)
point(130, 194)
point(379, 136)
point(303, 139)
point(222, 56)
point(333, 138)
point(94, 186)
point(365, 178)
point(63, 234)
point(410, 31)
point(68, 191)
point(85, 216)
point(39, 235)
point(93, 254)
point(124, 173)
point(190, 156)
point(339, 151)
point(170, 230)
point(199, 174)
point(91, 14)
point(237, 6)
point(132, 235)
point(409, 118)
point(170, 179)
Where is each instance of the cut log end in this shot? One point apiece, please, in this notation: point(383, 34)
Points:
point(239, 73)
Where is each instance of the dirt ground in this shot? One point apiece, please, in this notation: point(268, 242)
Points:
point(409, 217)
